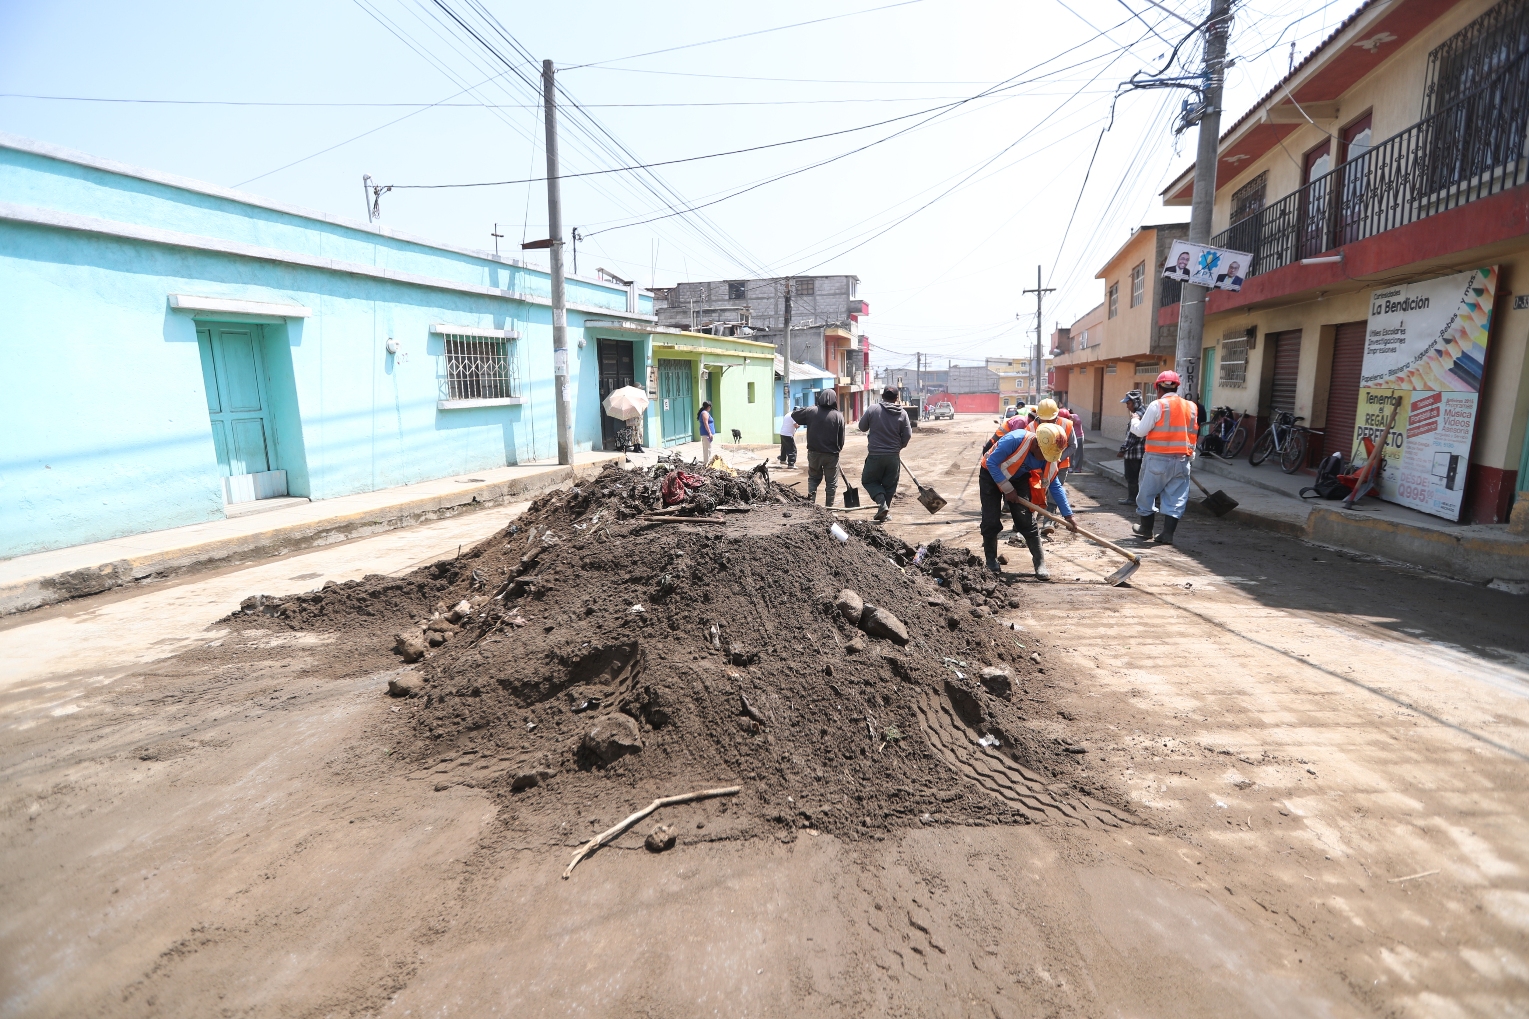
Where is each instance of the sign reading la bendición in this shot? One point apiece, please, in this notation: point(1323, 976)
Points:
point(1425, 353)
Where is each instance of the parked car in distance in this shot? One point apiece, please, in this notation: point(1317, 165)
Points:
point(942, 412)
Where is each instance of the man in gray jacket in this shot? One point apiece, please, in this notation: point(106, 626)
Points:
point(825, 438)
point(888, 431)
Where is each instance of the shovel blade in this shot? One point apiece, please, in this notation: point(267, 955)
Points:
point(1123, 574)
point(851, 498)
point(930, 499)
point(1219, 503)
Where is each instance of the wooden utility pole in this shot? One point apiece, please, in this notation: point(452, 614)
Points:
point(1192, 300)
point(785, 340)
point(559, 290)
point(1037, 365)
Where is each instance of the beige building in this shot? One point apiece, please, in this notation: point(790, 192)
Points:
point(1120, 345)
point(1394, 154)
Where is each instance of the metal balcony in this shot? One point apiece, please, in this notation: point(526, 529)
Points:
point(1470, 149)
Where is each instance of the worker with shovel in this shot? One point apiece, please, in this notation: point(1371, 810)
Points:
point(889, 431)
point(825, 440)
point(1169, 426)
point(1023, 464)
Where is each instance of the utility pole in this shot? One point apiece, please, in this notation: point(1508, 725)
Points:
point(785, 339)
point(1035, 366)
point(1192, 300)
point(559, 290)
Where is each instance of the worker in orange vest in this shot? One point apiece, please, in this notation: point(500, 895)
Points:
point(1168, 427)
point(1014, 418)
point(1049, 412)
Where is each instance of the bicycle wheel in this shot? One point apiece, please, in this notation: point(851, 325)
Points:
point(1262, 448)
point(1236, 442)
point(1293, 456)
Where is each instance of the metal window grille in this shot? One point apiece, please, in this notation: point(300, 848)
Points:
point(804, 288)
point(1109, 369)
point(737, 290)
point(1147, 367)
point(1114, 300)
point(1462, 62)
point(479, 369)
point(1249, 198)
point(1234, 362)
point(1468, 150)
point(1138, 283)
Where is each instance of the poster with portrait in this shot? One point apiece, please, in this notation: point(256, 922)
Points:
point(1205, 266)
point(1424, 357)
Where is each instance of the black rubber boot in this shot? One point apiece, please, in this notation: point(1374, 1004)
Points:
point(1143, 528)
point(829, 501)
point(990, 553)
point(1166, 538)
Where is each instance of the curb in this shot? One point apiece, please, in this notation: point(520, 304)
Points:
point(51, 589)
point(1466, 557)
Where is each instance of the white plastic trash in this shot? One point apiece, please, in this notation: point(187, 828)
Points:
point(839, 532)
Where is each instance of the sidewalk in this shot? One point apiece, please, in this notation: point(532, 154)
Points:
point(46, 578)
point(1269, 498)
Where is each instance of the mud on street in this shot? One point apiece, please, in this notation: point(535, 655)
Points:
point(1265, 778)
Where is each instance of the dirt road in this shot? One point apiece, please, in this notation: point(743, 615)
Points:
point(1326, 755)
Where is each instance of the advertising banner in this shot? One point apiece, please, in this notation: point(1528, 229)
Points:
point(1425, 355)
point(1216, 268)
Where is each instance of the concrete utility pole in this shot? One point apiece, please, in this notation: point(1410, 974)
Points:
point(785, 340)
point(1191, 338)
point(559, 290)
point(1035, 367)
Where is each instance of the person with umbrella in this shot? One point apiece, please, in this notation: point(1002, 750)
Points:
point(628, 404)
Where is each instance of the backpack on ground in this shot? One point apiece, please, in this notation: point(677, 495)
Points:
point(1327, 486)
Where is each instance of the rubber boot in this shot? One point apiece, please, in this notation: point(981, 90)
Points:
point(829, 498)
point(990, 553)
point(1041, 573)
point(883, 512)
point(1166, 538)
point(1143, 528)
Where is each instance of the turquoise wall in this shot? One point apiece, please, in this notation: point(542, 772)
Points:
point(105, 414)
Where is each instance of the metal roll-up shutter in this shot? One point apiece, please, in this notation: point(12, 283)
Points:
point(1287, 370)
point(1343, 389)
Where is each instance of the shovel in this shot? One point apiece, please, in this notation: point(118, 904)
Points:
point(927, 497)
point(1115, 579)
point(851, 493)
point(1218, 502)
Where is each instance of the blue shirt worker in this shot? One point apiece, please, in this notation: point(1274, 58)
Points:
point(1023, 464)
point(1168, 428)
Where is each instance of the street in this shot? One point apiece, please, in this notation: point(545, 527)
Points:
point(1325, 754)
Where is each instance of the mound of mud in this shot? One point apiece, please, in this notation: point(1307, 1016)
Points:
point(593, 655)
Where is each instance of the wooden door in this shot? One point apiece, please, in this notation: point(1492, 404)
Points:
point(234, 373)
point(676, 399)
point(1343, 389)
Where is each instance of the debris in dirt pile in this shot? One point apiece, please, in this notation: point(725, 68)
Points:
point(659, 839)
point(751, 662)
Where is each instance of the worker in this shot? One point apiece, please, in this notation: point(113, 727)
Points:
point(825, 440)
point(888, 431)
point(788, 430)
point(1022, 465)
point(1168, 427)
point(1006, 426)
point(1130, 450)
point(1048, 411)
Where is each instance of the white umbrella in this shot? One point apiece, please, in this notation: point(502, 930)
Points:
point(626, 403)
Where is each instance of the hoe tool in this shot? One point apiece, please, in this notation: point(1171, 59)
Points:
point(1115, 579)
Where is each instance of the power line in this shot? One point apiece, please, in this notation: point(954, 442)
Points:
point(488, 106)
point(744, 35)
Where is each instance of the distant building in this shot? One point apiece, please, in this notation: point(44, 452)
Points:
point(825, 322)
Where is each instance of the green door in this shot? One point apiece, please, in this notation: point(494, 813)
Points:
point(1207, 378)
point(675, 401)
point(236, 400)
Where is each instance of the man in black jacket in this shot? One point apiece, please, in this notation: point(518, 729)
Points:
point(889, 431)
point(825, 439)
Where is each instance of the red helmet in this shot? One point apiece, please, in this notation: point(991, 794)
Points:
point(1169, 378)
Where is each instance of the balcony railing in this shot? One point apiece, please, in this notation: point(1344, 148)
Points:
point(1473, 148)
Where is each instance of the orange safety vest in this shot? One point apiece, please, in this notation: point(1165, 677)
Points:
point(1176, 428)
point(1004, 428)
point(1038, 481)
point(1067, 425)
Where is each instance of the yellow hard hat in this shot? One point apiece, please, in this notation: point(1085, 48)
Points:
point(1046, 410)
point(1051, 438)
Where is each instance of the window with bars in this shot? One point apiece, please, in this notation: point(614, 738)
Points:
point(1114, 299)
point(1138, 283)
point(737, 290)
point(804, 288)
point(1474, 54)
point(1234, 362)
point(1148, 367)
point(1249, 199)
point(478, 368)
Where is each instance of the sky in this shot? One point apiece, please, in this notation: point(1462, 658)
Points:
point(940, 150)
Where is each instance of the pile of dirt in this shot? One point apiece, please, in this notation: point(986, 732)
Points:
point(594, 651)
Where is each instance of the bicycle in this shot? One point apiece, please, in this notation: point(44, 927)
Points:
point(1287, 437)
point(1226, 436)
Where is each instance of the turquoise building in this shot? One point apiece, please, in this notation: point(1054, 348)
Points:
point(173, 348)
